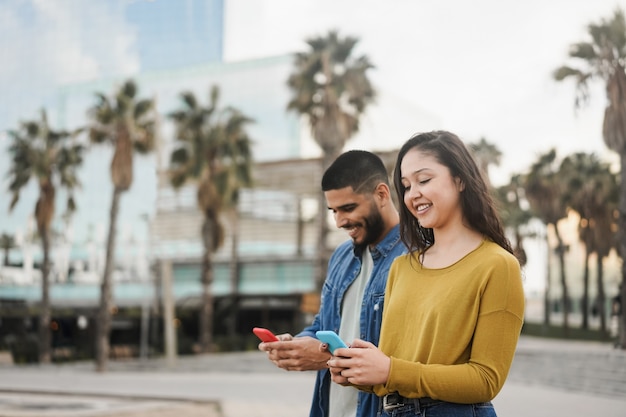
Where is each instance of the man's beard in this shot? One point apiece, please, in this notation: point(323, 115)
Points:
point(374, 227)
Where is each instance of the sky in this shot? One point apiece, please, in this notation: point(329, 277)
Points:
point(481, 69)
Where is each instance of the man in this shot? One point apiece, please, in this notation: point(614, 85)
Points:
point(357, 191)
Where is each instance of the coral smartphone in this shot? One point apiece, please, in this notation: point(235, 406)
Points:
point(265, 335)
point(332, 339)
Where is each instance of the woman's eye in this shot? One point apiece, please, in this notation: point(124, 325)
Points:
point(425, 181)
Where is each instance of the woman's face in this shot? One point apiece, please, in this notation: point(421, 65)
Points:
point(431, 194)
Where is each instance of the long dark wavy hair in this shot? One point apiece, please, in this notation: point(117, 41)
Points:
point(478, 206)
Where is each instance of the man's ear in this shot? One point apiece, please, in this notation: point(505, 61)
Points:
point(382, 191)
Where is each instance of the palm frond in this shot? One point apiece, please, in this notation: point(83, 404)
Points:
point(143, 107)
point(330, 88)
point(583, 50)
point(189, 99)
point(128, 90)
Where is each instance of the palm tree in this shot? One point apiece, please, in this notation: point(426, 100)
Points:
point(215, 151)
point(51, 157)
point(604, 58)
point(128, 124)
point(330, 88)
point(592, 191)
point(486, 154)
point(544, 190)
point(514, 216)
point(605, 230)
point(236, 176)
point(7, 242)
point(508, 196)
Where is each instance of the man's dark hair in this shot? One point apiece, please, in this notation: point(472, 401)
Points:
point(361, 170)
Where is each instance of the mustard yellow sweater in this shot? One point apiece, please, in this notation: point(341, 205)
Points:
point(451, 333)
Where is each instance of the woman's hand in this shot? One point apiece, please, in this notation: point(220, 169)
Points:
point(360, 364)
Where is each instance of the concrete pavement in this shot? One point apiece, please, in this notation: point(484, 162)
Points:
point(548, 378)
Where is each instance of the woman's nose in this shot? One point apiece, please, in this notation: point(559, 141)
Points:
point(413, 192)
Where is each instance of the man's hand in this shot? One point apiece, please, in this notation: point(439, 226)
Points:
point(296, 354)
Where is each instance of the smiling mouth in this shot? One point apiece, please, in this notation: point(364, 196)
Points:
point(352, 230)
point(422, 207)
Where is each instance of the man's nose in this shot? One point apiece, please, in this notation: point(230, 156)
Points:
point(340, 220)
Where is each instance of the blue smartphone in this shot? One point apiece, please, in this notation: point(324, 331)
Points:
point(332, 339)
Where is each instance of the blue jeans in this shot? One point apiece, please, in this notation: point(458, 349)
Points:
point(434, 408)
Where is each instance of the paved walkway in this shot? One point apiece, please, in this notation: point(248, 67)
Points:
point(548, 378)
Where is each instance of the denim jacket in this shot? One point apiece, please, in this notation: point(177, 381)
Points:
point(343, 268)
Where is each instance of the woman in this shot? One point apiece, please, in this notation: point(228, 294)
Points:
point(454, 304)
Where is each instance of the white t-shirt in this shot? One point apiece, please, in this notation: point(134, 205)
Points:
point(343, 400)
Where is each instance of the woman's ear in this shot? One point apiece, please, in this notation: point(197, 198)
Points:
point(460, 185)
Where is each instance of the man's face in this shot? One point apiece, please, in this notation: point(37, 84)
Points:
point(358, 214)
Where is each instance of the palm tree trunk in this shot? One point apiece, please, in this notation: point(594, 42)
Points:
point(564, 289)
point(44, 211)
point(299, 229)
point(106, 293)
point(622, 318)
point(601, 295)
point(546, 293)
point(622, 246)
point(234, 253)
point(45, 314)
point(234, 275)
point(206, 306)
point(585, 300)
